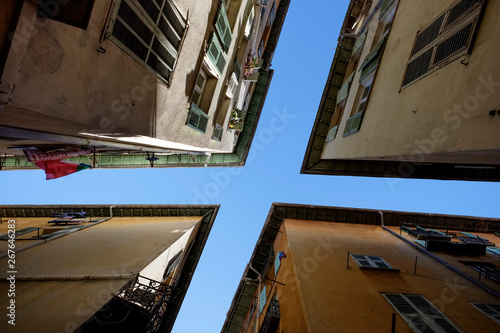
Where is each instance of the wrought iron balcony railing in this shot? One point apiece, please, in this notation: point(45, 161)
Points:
point(148, 296)
point(145, 293)
point(272, 319)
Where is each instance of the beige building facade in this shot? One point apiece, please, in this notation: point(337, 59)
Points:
point(97, 268)
point(333, 269)
point(184, 80)
point(412, 92)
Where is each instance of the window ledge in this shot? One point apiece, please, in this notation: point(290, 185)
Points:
point(395, 270)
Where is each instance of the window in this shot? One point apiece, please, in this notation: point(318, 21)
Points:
point(420, 314)
point(262, 299)
point(261, 49)
point(218, 131)
point(216, 54)
point(445, 39)
point(250, 23)
point(171, 266)
point(199, 88)
point(493, 250)
point(223, 28)
point(337, 116)
point(272, 14)
point(263, 4)
point(232, 85)
point(197, 119)
point(486, 270)
point(353, 124)
point(149, 31)
point(491, 310)
point(72, 12)
point(366, 261)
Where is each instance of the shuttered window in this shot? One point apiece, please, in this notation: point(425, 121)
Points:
point(332, 133)
point(353, 124)
point(197, 119)
point(372, 60)
point(445, 39)
point(223, 28)
point(218, 131)
point(262, 299)
point(420, 314)
point(491, 310)
point(370, 261)
point(149, 31)
point(216, 54)
point(199, 88)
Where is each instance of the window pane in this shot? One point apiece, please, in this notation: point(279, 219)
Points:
point(453, 44)
point(428, 35)
point(418, 67)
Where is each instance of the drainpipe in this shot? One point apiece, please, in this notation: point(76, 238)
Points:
point(111, 211)
point(442, 262)
point(259, 288)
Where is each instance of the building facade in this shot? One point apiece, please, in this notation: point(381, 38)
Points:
point(183, 80)
point(412, 92)
point(97, 268)
point(332, 269)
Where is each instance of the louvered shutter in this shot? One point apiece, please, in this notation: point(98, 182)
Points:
point(216, 54)
point(223, 28)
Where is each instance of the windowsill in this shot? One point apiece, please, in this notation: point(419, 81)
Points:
point(394, 270)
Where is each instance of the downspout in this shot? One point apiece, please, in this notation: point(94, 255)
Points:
point(111, 211)
point(259, 288)
point(441, 261)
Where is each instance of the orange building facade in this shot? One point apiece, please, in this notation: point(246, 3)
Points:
point(331, 269)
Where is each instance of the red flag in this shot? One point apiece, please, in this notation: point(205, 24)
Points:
point(57, 168)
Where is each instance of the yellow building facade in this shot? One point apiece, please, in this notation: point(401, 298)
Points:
point(412, 92)
point(332, 269)
point(98, 268)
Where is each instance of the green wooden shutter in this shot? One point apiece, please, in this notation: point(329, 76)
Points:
point(384, 7)
point(359, 42)
point(197, 119)
point(223, 28)
point(277, 264)
point(332, 133)
point(344, 91)
point(353, 124)
point(262, 299)
point(372, 59)
point(216, 54)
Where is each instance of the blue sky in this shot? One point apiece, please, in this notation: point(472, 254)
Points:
point(301, 64)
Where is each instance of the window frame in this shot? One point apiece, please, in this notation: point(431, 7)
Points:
point(353, 124)
point(429, 318)
point(157, 35)
point(172, 265)
point(445, 33)
point(220, 132)
point(223, 28)
point(496, 308)
point(372, 262)
point(198, 89)
point(200, 126)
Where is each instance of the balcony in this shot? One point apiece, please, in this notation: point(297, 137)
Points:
point(145, 293)
point(272, 318)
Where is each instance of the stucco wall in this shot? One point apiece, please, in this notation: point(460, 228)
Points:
point(108, 253)
point(350, 300)
point(447, 111)
point(54, 70)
